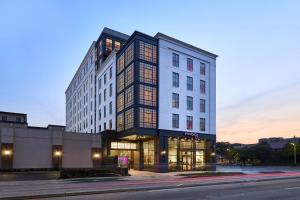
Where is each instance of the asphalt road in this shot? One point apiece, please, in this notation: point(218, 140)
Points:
point(280, 189)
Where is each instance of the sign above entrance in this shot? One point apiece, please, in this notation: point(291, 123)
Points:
point(194, 135)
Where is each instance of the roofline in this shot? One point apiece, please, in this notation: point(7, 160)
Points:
point(163, 36)
point(87, 53)
point(114, 33)
point(14, 113)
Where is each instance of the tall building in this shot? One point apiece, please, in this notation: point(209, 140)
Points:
point(153, 99)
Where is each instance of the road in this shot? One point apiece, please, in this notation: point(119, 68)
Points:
point(280, 189)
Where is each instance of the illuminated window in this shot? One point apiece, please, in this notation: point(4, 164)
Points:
point(175, 100)
point(122, 145)
point(189, 63)
point(120, 82)
point(189, 103)
point(148, 73)
point(202, 87)
point(147, 95)
point(202, 105)
point(189, 83)
point(148, 148)
point(202, 69)
point(129, 54)
point(108, 45)
point(175, 121)
point(129, 97)
point(172, 153)
point(175, 60)
point(175, 79)
point(120, 122)
point(129, 119)
point(129, 75)
point(147, 118)
point(120, 64)
point(199, 159)
point(120, 102)
point(147, 52)
point(100, 48)
point(202, 124)
point(117, 45)
point(200, 144)
point(189, 122)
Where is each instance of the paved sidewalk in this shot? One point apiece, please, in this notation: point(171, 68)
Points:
point(80, 186)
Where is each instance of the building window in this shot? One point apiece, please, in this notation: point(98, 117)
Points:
point(175, 121)
point(4, 118)
point(100, 114)
point(110, 90)
point(175, 60)
point(175, 79)
point(110, 124)
point(189, 63)
point(189, 83)
point(104, 125)
point(147, 52)
point(202, 87)
point(129, 97)
point(147, 95)
point(108, 45)
point(100, 47)
point(110, 73)
point(110, 108)
point(120, 82)
point(148, 73)
point(202, 69)
point(148, 149)
point(117, 45)
point(104, 95)
point(129, 119)
point(129, 75)
point(120, 102)
point(99, 99)
point(147, 118)
point(202, 105)
point(104, 78)
point(129, 54)
point(202, 124)
point(175, 100)
point(104, 111)
point(99, 83)
point(120, 64)
point(189, 103)
point(120, 122)
point(189, 122)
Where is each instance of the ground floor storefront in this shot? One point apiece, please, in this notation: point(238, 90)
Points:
point(164, 152)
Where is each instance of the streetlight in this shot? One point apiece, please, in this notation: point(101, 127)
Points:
point(295, 150)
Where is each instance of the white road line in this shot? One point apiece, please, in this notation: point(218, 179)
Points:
point(161, 190)
point(292, 188)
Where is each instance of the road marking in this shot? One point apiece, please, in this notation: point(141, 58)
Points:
point(292, 188)
point(162, 190)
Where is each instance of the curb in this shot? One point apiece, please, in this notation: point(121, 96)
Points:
point(69, 194)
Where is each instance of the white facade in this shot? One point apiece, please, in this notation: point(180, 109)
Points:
point(106, 95)
point(168, 46)
point(80, 97)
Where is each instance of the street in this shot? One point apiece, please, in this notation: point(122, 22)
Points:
point(279, 189)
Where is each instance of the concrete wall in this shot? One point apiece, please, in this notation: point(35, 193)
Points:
point(33, 147)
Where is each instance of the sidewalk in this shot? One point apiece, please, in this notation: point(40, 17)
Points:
point(149, 181)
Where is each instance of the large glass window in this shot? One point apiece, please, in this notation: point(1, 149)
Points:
point(147, 52)
point(175, 121)
point(147, 118)
point(189, 63)
point(108, 45)
point(202, 124)
point(129, 119)
point(120, 122)
point(147, 95)
point(199, 159)
point(120, 102)
point(120, 82)
point(175, 100)
point(129, 75)
point(129, 54)
point(202, 105)
point(120, 64)
point(189, 103)
point(148, 148)
point(129, 97)
point(202, 87)
point(189, 122)
point(189, 83)
point(175, 79)
point(117, 45)
point(202, 69)
point(186, 144)
point(172, 153)
point(148, 73)
point(175, 60)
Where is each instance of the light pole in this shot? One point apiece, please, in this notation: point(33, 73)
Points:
point(295, 150)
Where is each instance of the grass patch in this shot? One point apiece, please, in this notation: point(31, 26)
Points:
point(208, 174)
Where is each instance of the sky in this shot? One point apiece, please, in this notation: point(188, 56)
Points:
point(42, 43)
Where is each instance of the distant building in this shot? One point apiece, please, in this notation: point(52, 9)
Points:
point(278, 143)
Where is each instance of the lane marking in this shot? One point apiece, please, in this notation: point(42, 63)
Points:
point(292, 188)
point(162, 190)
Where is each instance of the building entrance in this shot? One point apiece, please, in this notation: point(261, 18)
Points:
point(186, 160)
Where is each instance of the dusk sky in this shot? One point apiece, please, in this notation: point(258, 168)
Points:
point(42, 43)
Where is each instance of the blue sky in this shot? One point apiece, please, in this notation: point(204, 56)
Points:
point(258, 75)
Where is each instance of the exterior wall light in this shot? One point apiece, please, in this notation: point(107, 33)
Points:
point(7, 152)
point(213, 154)
point(163, 152)
point(96, 155)
point(57, 153)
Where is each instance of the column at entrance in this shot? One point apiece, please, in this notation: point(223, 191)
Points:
point(161, 154)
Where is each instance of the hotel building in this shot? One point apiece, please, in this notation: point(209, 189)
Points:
point(152, 99)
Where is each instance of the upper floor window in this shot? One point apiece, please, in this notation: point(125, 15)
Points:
point(117, 45)
point(175, 100)
point(129, 54)
point(148, 73)
point(202, 87)
point(129, 118)
point(129, 97)
point(110, 90)
point(189, 122)
point(175, 79)
point(202, 105)
point(104, 95)
point(175, 121)
point(189, 103)
point(100, 114)
point(100, 47)
point(129, 75)
point(175, 60)
point(4, 118)
point(202, 124)
point(104, 78)
point(147, 118)
point(104, 111)
point(148, 52)
point(99, 99)
point(202, 68)
point(120, 122)
point(108, 45)
point(120, 102)
point(147, 95)
point(120, 64)
point(120, 82)
point(189, 63)
point(110, 108)
point(110, 73)
point(99, 83)
point(189, 81)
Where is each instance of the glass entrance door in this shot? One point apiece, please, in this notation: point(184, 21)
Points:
point(186, 160)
